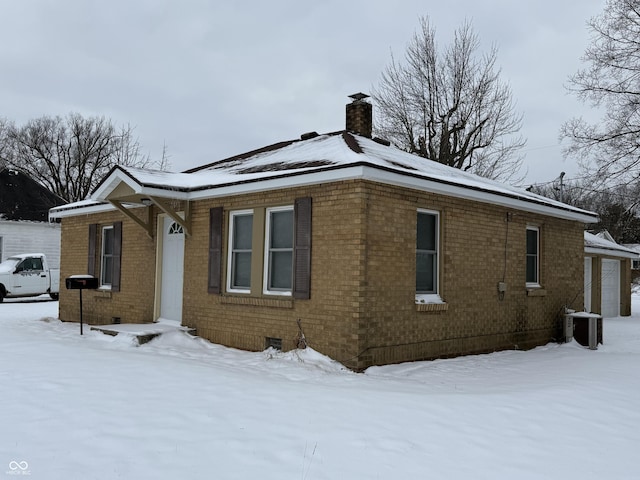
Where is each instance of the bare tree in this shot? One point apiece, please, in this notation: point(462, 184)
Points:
point(617, 207)
point(578, 193)
point(4, 141)
point(610, 148)
point(450, 105)
point(71, 155)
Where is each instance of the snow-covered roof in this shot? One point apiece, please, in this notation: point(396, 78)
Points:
point(598, 245)
point(320, 159)
point(632, 246)
point(23, 199)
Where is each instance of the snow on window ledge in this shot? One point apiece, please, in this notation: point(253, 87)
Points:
point(102, 293)
point(430, 303)
point(428, 298)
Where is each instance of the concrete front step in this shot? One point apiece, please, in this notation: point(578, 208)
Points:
point(143, 332)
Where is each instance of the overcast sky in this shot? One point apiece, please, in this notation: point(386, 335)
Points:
point(213, 79)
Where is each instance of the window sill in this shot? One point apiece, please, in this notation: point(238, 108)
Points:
point(237, 291)
point(536, 291)
point(428, 298)
point(432, 307)
point(257, 301)
point(430, 302)
point(102, 293)
point(276, 293)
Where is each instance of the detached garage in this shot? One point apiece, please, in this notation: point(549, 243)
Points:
point(607, 276)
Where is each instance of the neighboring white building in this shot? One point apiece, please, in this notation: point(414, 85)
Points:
point(635, 263)
point(25, 236)
point(607, 275)
point(24, 223)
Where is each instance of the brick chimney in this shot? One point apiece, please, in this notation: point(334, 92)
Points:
point(359, 115)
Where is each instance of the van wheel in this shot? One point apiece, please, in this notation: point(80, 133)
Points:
point(54, 296)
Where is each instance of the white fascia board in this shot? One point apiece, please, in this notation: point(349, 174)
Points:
point(363, 172)
point(72, 211)
point(610, 253)
point(116, 178)
point(285, 181)
point(86, 210)
point(382, 176)
point(163, 193)
point(483, 196)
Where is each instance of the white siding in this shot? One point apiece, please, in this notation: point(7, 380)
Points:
point(31, 237)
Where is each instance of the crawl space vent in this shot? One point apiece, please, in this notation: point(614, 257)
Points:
point(273, 343)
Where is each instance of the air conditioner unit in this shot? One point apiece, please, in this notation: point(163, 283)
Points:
point(568, 328)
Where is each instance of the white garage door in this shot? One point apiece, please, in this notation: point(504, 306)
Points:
point(610, 288)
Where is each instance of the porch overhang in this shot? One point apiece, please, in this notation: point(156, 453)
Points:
point(122, 190)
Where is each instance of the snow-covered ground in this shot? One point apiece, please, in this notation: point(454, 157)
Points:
point(98, 407)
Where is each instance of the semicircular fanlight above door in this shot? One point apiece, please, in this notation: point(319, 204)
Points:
point(175, 229)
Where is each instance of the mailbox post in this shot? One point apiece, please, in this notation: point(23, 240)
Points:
point(81, 282)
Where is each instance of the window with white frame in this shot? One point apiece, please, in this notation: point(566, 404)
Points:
point(106, 258)
point(533, 256)
point(278, 259)
point(427, 252)
point(240, 249)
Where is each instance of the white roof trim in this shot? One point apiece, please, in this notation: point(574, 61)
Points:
point(479, 195)
point(285, 181)
point(610, 252)
point(327, 158)
point(378, 175)
point(96, 207)
point(119, 176)
point(364, 172)
point(597, 245)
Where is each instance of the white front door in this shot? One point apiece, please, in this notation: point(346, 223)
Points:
point(172, 270)
point(610, 288)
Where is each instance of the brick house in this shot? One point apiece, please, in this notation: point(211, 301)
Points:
point(382, 256)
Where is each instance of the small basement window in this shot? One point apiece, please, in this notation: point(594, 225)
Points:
point(272, 342)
